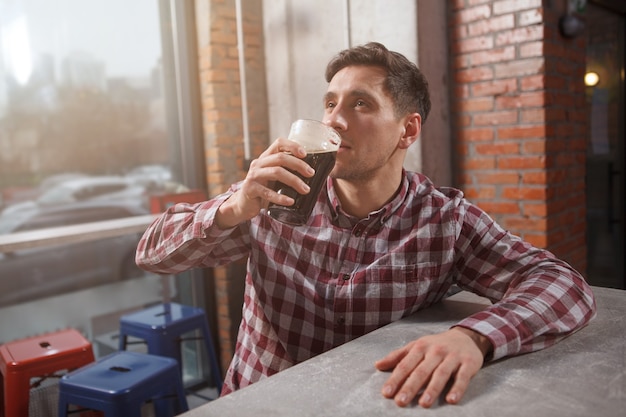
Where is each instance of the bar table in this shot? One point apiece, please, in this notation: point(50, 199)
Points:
point(583, 375)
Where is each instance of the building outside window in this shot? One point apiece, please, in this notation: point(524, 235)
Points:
point(90, 130)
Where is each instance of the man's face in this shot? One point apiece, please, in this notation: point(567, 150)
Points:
point(358, 107)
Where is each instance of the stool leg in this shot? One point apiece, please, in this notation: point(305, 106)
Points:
point(165, 346)
point(215, 368)
point(62, 407)
point(16, 394)
point(122, 341)
point(169, 407)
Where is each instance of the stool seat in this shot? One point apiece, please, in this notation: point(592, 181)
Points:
point(162, 328)
point(119, 385)
point(38, 356)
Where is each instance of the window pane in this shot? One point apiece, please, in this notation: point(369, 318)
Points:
point(83, 138)
point(80, 95)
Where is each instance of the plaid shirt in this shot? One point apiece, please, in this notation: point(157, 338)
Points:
point(311, 288)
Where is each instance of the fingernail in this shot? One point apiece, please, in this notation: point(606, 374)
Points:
point(426, 399)
point(387, 389)
point(310, 170)
point(453, 397)
point(403, 398)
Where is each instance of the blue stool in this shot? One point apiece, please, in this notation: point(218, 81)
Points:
point(162, 328)
point(121, 383)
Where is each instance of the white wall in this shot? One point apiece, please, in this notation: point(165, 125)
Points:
point(302, 35)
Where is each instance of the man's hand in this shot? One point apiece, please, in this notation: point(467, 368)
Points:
point(277, 163)
point(429, 362)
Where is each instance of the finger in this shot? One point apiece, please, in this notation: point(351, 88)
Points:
point(440, 377)
point(416, 380)
point(461, 382)
point(285, 146)
point(402, 370)
point(287, 169)
point(391, 360)
point(266, 195)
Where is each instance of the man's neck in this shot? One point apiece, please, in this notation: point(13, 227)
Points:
point(360, 198)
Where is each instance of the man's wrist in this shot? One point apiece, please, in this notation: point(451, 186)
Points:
point(482, 342)
point(226, 217)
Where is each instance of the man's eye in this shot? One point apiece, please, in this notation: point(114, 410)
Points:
point(360, 103)
point(330, 105)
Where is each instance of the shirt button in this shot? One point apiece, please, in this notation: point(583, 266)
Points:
point(346, 277)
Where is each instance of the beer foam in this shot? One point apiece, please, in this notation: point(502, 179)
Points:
point(314, 136)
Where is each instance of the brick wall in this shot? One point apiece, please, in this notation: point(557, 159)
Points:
point(520, 119)
point(223, 127)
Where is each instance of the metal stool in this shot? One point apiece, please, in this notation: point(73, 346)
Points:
point(162, 328)
point(39, 356)
point(121, 383)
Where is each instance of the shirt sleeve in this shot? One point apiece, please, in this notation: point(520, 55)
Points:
point(537, 298)
point(185, 236)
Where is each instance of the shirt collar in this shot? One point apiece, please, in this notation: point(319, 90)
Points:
point(381, 214)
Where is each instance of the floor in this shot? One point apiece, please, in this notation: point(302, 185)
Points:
point(44, 400)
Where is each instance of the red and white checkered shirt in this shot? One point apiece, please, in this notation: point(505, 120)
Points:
point(311, 288)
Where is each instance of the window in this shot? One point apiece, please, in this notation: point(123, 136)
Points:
point(90, 98)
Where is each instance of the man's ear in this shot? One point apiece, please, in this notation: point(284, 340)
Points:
point(412, 130)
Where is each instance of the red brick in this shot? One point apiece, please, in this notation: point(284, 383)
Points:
point(493, 56)
point(495, 118)
point(483, 192)
point(495, 24)
point(474, 74)
point(538, 177)
point(497, 178)
point(525, 224)
point(539, 240)
point(473, 44)
point(534, 146)
point(478, 163)
point(531, 49)
point(498, 149)
point(534, 209)
point(509, 6)
point(476, 134)
point(519, 35)
point(471, 14)
point(478, 104)
point(521, 132)
point(493, 88)
point(525, 107)
point(532, 82)
point(516, 68)
point(495, 208)
point(533, 116)
point(524, 193)
point(530, 17)
point(521, 162)
point(522, 100)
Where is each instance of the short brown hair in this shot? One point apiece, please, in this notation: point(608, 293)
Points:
point(405, 82)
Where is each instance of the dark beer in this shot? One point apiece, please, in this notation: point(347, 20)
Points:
point(298, 213)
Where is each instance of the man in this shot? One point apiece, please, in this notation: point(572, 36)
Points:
point(381, 244)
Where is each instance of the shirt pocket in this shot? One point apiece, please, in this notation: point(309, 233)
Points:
point(383, 293)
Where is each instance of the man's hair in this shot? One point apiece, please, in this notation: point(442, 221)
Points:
point(405, 82)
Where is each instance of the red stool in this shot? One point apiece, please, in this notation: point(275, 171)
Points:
point(40, 356)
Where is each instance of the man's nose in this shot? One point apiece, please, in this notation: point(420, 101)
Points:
point(336, 120)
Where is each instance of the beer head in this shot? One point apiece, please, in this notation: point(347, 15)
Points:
point(314, 136)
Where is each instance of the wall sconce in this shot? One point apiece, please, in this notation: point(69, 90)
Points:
point(592, 79)
point(571, 24)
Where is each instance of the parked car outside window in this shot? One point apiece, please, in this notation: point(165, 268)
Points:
point(31, 274)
